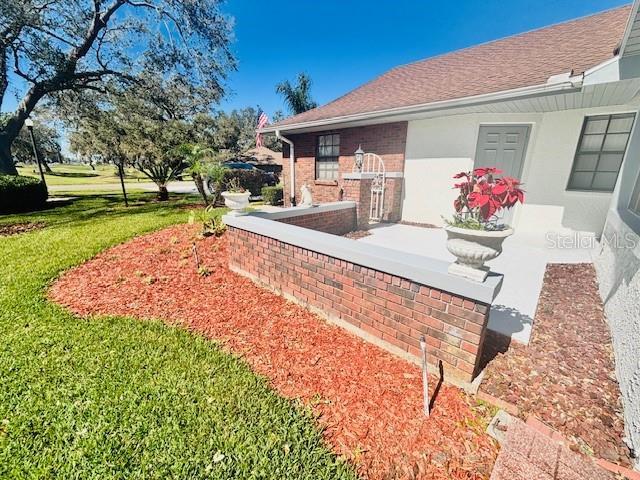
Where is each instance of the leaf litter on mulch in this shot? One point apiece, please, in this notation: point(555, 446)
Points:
point(368, 402)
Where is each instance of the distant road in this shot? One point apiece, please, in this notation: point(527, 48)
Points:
point(173, 187)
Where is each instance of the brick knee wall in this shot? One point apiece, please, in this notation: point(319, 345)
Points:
point(393, 309)
point(336, 222)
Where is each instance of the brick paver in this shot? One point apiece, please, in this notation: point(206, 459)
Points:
point(530, 455)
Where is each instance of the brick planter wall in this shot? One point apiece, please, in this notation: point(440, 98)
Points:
point(393, 309)
point(336, 222)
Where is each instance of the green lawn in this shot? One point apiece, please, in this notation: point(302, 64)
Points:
point(122, 398)
point(67, 174)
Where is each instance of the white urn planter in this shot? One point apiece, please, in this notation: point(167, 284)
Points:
point(472, 248)
point(237, 202)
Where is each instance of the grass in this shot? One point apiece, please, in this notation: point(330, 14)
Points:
point(116, 398)
point(67, 174)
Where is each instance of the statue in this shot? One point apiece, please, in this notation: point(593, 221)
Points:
point(307, 198)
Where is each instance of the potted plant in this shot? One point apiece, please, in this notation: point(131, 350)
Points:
point(236, 197)
point(475, 233)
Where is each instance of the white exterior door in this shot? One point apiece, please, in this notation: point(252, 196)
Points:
point(504, 147)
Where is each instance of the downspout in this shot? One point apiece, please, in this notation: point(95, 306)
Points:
point(292, 167)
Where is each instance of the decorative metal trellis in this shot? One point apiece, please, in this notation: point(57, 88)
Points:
point(373, 167)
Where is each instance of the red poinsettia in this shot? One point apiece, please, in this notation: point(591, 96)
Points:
point(482, 195)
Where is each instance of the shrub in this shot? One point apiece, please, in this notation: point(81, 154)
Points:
point(482, 196)
point(251, 180)
point(21, 194)
point(272, 195)
point(219, 178)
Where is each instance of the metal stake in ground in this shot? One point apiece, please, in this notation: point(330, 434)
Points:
point(425, 376)
point(195, 255)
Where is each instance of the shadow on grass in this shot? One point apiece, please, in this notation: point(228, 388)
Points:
point(86, 208)
point(73, 174)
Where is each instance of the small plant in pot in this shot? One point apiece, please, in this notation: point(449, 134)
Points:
point(236, 197)
point(475, 233)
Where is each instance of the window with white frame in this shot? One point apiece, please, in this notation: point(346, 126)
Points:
point(327, 156)
point(600, 151)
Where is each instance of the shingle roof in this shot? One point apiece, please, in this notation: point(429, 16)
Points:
point(518, 61)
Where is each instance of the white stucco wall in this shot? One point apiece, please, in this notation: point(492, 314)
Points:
point(618, 269)
point(440, 147)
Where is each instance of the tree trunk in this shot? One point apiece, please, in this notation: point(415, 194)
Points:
point(124, 191)
point(46, 166)
point(197, 179)
point(9, 132)
point(163, 193)
point(7, 167)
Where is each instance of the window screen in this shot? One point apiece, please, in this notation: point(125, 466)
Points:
point(327, 155)
point(600, 152)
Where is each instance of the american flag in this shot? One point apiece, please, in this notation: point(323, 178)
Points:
point(262, 121)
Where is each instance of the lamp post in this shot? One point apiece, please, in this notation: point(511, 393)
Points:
point(359, 154)
point(29, 124)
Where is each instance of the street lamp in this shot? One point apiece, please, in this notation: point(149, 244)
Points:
point(29, 124)
point(359, 154)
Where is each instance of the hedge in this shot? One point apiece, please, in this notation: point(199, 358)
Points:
point(272, 195)
point(21, 194)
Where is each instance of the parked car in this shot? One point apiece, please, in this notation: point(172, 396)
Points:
point(270, 178)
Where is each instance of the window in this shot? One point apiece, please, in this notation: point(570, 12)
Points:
point(600, 152)
point(327, 155)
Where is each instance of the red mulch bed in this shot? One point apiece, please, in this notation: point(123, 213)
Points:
point(368, 402)
point(566, 376)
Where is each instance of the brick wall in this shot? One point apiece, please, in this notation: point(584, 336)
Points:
point(387, 140)
point(359, 191)
point(393, 309)
point(336, 222)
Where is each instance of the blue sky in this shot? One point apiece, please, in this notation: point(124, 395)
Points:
point(342, 44)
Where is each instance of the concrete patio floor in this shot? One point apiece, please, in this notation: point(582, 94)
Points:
point(523, 263)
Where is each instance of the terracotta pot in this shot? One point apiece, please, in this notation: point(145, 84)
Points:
point(472, 248)
point(237, 202)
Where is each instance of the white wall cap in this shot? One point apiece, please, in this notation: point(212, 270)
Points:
point(416, 268)
point(300, 211)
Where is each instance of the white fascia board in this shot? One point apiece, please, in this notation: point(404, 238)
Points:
point(533, 90)
point(416, 268)
point(606, 72)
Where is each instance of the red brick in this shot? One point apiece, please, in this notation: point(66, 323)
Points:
point(468, 304)
point(469, 315)
point(470, 347)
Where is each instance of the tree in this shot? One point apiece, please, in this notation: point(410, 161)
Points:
point(298, 96)
point(195, 157)
point(51, 47)
point(232, 133)
point(47, 140)
point(101, 132)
